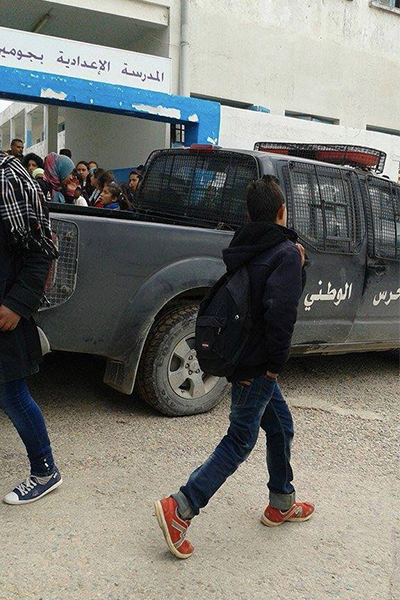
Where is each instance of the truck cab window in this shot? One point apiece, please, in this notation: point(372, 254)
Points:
point(323, 207)
point(384, 207)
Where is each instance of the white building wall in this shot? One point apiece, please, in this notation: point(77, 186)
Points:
point(39, 149)
point(242, 128)
point(332, 58)
point(61, 141)
point(114, 141)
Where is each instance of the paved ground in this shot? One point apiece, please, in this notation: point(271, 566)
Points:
point(96, 537)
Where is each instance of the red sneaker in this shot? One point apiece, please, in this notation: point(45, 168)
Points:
point(173, 527)
point(300, 511)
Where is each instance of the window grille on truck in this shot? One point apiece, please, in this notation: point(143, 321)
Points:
point(61, 281)
point(195, 187)
point(324, 206)
point(384, 218)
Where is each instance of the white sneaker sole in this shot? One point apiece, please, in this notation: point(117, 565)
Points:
point(56, 485)
point(164, 527)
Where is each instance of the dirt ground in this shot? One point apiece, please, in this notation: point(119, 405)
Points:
point(96, 536)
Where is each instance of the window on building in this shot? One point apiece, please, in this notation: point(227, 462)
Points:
point(383, 130)
point(323, 207)
point(224, 101)
point(387, 3)
point(177, 134)
point(307, 117)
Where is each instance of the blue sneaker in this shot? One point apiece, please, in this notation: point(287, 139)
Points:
point(32, 489)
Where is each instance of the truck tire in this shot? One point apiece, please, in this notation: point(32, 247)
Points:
point(169, 377)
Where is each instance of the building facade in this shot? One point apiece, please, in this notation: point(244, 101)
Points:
point(321, 71)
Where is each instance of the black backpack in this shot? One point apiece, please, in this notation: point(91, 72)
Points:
point(224, 324)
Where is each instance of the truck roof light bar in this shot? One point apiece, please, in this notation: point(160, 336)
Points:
point(203, 148)
point(336, 154)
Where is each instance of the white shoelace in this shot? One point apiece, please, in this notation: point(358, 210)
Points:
point(26, 486)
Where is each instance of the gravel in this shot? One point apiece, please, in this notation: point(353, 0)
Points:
point(96, 536)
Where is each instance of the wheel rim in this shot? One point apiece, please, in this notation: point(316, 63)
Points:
point(185, 377)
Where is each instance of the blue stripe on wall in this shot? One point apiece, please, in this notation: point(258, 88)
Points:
point(201, 117)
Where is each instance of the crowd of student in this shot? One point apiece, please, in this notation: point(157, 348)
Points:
point(82, 184)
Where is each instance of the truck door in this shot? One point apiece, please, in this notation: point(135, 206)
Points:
point(378, 316)
point(325, 208)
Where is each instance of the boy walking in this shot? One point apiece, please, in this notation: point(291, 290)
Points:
point(275, 263)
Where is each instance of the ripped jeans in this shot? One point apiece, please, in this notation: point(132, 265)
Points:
point(27, 418)
point(259, 404)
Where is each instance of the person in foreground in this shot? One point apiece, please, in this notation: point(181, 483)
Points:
point(275, 263)
point(26, 253)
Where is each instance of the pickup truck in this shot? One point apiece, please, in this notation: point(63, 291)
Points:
point(127, 285)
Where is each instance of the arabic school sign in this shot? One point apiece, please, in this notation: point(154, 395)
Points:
point(46, 54)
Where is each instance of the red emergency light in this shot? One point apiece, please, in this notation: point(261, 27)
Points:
point(336, 154)
point(203, 148)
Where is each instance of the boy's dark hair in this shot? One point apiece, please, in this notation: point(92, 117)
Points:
point(105, 177)
point(16, 140)
point(264, 199)
point(66, 152)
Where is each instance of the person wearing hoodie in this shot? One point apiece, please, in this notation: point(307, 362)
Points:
point(275, 262)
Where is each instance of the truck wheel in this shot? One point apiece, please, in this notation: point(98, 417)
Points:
point(169, 375)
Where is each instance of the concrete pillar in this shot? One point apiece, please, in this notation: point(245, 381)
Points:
point(28, 130)
point(51, 127)
point(12, 129)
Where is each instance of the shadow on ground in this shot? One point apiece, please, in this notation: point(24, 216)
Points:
point(80, 377)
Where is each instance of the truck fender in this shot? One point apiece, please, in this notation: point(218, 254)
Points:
point(142, 308)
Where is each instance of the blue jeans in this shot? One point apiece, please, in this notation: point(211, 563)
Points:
point(259, 404)
point(27, 418)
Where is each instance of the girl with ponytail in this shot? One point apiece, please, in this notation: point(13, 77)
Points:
point(113, 197)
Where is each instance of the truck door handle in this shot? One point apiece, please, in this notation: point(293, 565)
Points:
point(377, 268)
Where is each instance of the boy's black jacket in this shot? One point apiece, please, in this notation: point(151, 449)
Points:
point(277, 281)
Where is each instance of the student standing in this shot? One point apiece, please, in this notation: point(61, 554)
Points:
point(31, 162)
point(275, 264)
point(98, 179)
point(83, 171)
point(17, 148)
point(59, 171)
point(26, 252)
point(135, 177)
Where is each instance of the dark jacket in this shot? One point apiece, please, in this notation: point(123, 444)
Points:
point(277, 281)
point(22, 281)
point(45, 187)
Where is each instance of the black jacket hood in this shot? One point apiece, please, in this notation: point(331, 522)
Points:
point(252, 239)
